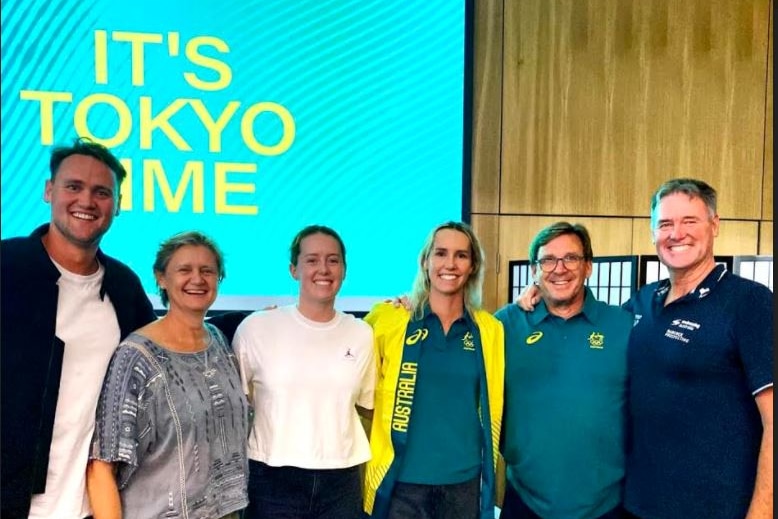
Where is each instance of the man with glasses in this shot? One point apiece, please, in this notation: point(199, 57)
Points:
point(565, 389)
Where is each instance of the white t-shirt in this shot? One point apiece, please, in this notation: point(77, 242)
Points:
point(90, 331)
point(304, 379)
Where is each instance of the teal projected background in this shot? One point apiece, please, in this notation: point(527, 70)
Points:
point(247, 120)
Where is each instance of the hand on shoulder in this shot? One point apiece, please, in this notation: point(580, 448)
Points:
point(528, 298)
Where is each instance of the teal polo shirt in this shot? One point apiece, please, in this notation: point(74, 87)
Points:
point(564, 414)
point(444, 433)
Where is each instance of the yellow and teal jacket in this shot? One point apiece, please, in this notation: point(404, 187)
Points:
point(392, 333)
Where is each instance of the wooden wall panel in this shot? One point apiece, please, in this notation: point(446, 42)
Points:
point(487, 106)
point(487, 229)
point(736, 237)
point(605, 99)
point(601, 101)
point(766, 238)
point(767, 192)
point(610, 236)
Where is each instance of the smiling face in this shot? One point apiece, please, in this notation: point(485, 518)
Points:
point(84, 198)
point(683, 232)
point(449, 263)
point(320, 270)
point(190, 279)
point(562, 287)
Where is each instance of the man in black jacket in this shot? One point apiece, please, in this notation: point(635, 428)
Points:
point(64, 307)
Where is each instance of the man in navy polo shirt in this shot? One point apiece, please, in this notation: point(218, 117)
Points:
point(700, 364)
point(565, 389)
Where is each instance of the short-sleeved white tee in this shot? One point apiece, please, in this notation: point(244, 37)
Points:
point(304, 379)
point(87, 325)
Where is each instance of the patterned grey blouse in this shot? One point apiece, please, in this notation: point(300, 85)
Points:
point(176, 426)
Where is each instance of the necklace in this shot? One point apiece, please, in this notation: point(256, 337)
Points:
point(208, 372)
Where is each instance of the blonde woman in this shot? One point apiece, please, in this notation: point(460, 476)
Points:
point(439, 395)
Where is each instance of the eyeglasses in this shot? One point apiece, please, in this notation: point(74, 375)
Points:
point(571, 262)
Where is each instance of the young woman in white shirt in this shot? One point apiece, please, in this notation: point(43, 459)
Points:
point(307, 368)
